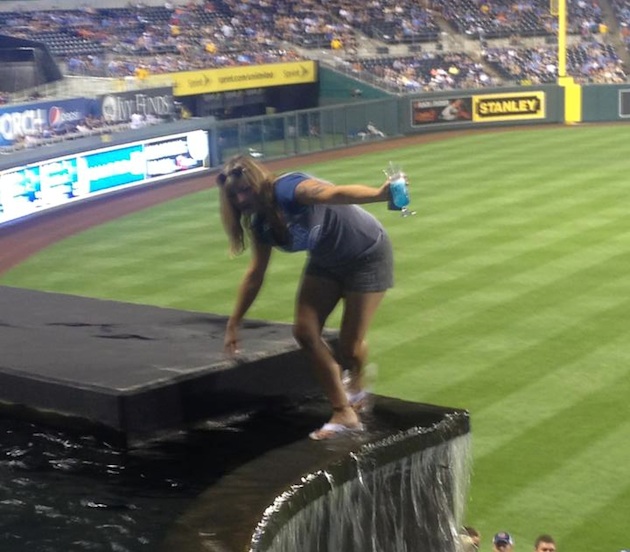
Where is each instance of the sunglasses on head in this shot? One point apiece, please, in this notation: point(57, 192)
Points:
point(236, 171)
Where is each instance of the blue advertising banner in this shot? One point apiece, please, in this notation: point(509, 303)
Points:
point(20, 193)
point(37, 118)
point(59, 181)
point(112, 168)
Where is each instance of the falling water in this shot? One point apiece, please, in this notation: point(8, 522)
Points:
point(384, 498)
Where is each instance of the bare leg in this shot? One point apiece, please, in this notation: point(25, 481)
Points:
point(316, 300)
point(359, 310)
point(353, 365)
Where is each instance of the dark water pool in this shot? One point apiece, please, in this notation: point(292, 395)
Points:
point(64, 492)
point(69, 492)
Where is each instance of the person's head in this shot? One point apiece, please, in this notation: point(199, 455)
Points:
point(502, 542)
point(245, 188)
point(465, 544)
point(545, 543)
point(474, 535)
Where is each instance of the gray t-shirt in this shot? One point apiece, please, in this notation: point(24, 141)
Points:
point(332, 234)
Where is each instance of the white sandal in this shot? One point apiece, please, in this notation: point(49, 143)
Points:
point(331, 431)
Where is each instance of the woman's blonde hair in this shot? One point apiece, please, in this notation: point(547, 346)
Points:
point(241, 171)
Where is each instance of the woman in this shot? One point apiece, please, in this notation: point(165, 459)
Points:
point(349, 258)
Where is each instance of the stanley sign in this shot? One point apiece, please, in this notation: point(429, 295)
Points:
point(509, 107)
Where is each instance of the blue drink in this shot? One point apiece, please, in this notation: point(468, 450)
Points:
point(398, 190)
point(398, 194)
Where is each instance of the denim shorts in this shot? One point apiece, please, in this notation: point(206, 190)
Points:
point(371, 272)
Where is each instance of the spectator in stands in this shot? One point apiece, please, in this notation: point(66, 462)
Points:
point(137, 120)
point(30, 140)
point(152, 119)
point(83, 127)
point(181, 111)
point(350, 259)
point(94, 122)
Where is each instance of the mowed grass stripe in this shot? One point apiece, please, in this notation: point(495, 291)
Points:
point(485, 316)
point(531, 206)
point(501, 203)
point(567, 502)
point(606, 518)
point(536, 279)
point(488, 182)
point(559, 465)
point(505, 253)
point(548, 395)
point(523, 357)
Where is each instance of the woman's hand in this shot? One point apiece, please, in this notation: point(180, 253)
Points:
point(384, 192)
point(230, 340)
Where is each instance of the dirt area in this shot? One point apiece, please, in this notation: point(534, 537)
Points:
point(20, 240)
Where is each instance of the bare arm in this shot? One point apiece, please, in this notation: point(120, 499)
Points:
point(247, 292)
point(312, 191)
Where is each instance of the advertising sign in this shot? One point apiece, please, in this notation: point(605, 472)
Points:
point(509, 107)
point(188, 83)
point(176, 154)
point(59, 181)
point(118, 108)
point(443, 110)
point(20, 192)
point(112, 168)
point(17, 122)
point(35, 187)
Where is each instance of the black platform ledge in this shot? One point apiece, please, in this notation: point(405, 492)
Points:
point(134, 369)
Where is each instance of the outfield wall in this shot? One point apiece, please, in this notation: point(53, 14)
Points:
point(343, 124)
point(38, 179)
point(605, 103)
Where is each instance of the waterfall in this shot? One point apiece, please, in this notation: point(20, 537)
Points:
point(404, 493)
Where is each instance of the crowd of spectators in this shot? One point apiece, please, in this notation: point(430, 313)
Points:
point(524, 18)
point(141, 40)
point(42, 134)
point(393, 22)
point(424, 72)
point(621, 9)
point(588, 62)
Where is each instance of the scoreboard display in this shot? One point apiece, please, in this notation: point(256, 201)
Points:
point(33, 188)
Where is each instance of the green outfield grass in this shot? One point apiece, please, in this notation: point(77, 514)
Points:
point(512, 300)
